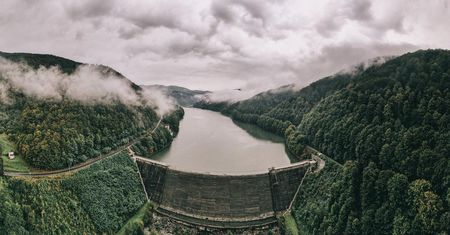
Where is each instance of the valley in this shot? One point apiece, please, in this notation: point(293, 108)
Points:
point(378, 131)
point(243, 117)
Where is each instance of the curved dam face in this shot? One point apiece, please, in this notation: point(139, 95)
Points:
point(223, 201)
point(217, 196)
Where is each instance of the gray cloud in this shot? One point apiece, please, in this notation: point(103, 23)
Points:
point(338, 15)
point(155, 19)
point(83, 9)
point(88, 84)
point(360, 10)
point(257, 9)
point(335, 58)
point(221, 11)
point(213, 44)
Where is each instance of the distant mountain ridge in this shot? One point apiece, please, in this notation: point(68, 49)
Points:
point(183, 96)
point(46, 60)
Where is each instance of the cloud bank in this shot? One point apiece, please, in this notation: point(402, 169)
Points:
point(214, 45)
point(88, 84)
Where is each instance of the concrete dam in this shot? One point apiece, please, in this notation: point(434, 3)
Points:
point(222, 201)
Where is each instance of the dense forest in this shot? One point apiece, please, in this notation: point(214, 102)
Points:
point(277, 109)
point(385, 130)
point(98, 199)
point(54, 134)
point(162, 137)
point(59, 134)
point(388, 125)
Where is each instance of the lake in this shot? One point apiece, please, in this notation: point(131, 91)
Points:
point(210, 142)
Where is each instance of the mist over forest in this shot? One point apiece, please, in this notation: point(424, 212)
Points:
point(225, 117)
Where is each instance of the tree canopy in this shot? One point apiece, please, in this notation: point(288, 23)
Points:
point(390, 125)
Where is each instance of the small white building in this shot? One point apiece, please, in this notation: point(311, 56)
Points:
point(11, 155)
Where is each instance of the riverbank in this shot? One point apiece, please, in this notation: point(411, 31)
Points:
point(209, 142)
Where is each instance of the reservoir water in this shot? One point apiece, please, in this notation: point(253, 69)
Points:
point(210, 142)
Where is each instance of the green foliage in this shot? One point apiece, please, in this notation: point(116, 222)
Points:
point(98, 199)
point(397, 186)
point(1, 159)
point(310, 209)
point(37, 60)
point(391, 121)
point(55, 135)
point(40, 207)
point(50, 209)
point(136, 224)
point(11, 214)
point(17, 164)
point(109, 191)
point(162, 137)
point(173, 120)
point(282, 104)
point(214, 106)
point(295, 141)
point(392, 118)
point(288, 226)
point(276, 110)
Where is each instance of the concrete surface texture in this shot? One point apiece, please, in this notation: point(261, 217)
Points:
point(221, 198)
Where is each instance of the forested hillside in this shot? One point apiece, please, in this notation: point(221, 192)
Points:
point(99, 199)
point(162, 137)
point(277, 109)
point(390, 125)
point(92, 111)
point(37, 60)
point(52, 133)
point(60, 134)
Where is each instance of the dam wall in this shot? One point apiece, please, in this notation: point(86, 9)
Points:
point(218, 196)
point(221, 200)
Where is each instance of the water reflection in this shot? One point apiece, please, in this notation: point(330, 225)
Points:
point(258, 132)
point(211, 142)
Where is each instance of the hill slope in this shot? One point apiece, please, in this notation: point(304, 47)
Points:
point(389, 124)
point(37, 60)
point(95, 200)
point(81, 112)
point(60, 112)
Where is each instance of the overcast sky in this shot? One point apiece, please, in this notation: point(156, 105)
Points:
point(253, 44)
